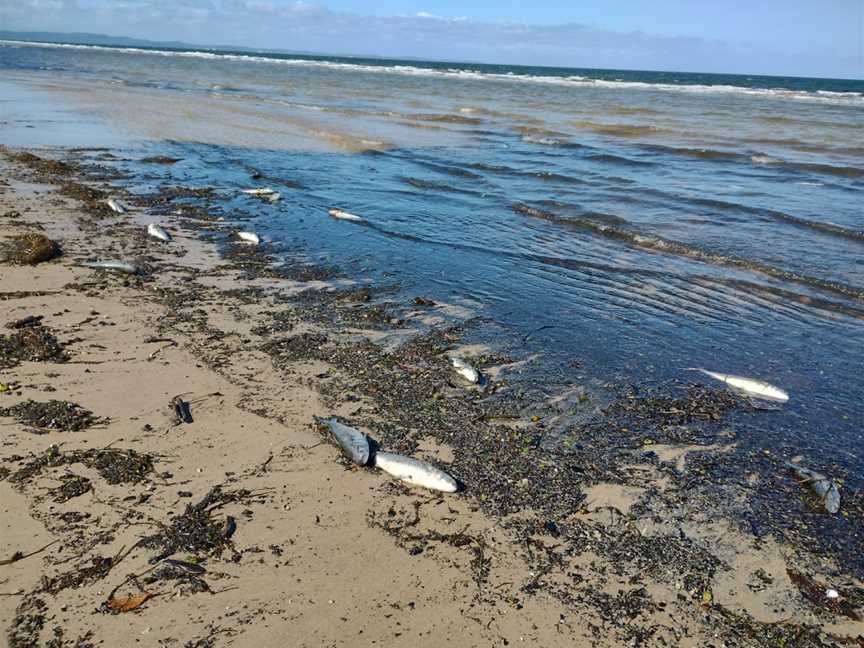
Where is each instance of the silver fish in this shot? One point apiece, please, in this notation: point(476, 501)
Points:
point(260, 192)
point(415, 472)
point(249, 237)
point(750, 386)
point(353, 442)
point(465, 370)
point(157, 231)
point(825, 488)
point(117, 206)
point(343, 215)
point(274, 197)
point(119, 266)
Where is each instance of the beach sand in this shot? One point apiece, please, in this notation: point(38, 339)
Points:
point(295, 546)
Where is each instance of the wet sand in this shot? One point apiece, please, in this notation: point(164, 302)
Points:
point(295, 545)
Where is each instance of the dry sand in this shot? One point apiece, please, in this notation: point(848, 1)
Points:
point(323, 554)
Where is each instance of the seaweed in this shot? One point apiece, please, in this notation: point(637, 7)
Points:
point(53, 415)
point(309, 272)
point(42, 165)
point(306, 346)
point(349, 307)
point(28, 622)
point(83, 574)
point(844, 603)
point(187, 577)
point(401, 529)
point(117, 466)
point(33, 344)
point(700, 404)
point(29, 249)
point(82, 192)
point(195, 530)
point(73, 486)
point(113, 465)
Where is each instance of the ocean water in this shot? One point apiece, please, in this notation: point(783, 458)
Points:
point(638, 223)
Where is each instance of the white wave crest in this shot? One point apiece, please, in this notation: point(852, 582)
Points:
point(824, 96)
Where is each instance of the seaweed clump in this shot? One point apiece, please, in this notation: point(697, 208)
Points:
point(33, 344)
point(306, 346)
point(53, 415)
point(92, 199)
point(309, 272)
point(196, 531)
point(845, 603)
point(42, 165)
point(80, 576)
point(700, 404)
point(82, 192)
point(113, 465)
point(344, 307)
point(30, 249)
point(186, 577)
point(73, 486)
point(28, 622)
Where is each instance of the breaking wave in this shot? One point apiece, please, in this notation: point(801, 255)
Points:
point(467, 73)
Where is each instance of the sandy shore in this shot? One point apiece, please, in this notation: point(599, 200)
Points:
point(276, 539)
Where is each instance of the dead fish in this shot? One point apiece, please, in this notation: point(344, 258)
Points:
point(825, 488)
point(274, 197)
point(249, 237)
point(157, 231)
point(119, 266)
point(343, 215)
point(415, 472)
point(265, 191)
point(750, 386)
point(117, 206)
point(465, 370)
point(353, 442)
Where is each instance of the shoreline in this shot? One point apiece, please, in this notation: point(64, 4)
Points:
point(597, 549)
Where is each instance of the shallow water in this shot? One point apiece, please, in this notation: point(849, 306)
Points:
point(639, 223)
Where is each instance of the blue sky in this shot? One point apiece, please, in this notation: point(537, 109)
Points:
point(803, 37)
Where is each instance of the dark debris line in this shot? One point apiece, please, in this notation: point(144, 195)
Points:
point(507, 469)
